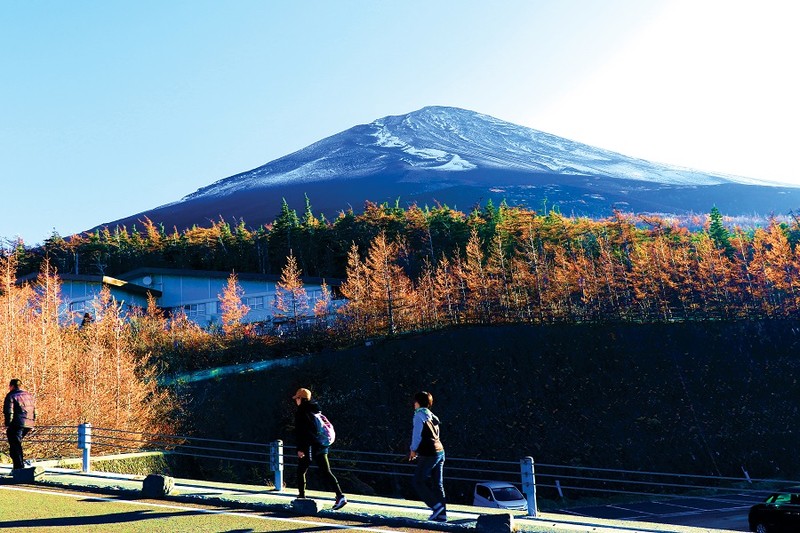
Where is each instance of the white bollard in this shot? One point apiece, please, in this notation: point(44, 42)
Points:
point(85, 443)
point(529, 484)
point(276, 463)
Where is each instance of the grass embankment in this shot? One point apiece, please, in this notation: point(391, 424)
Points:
point(704, 398)
point(32, 509)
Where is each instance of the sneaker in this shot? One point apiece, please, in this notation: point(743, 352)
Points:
point(438, 510)
point(340, 502)
point(441, 518)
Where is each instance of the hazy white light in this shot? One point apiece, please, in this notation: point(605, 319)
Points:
point(707, 84)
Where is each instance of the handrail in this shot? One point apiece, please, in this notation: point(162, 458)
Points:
point(642, 472)
point(178, 436)
point(276, 456)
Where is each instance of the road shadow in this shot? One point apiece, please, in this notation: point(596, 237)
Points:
point(111, 518)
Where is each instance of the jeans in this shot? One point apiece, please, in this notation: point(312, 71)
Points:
point(430, 467)
point(320, 455)
point(15, 435)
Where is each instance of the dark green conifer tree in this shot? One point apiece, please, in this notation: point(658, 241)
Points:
point(283, 236)
point(718, 232)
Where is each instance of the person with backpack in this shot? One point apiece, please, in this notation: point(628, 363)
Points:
point(19, 411)
point(428, 451)
point(314, 435)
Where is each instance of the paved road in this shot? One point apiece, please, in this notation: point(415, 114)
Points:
point(719, 512)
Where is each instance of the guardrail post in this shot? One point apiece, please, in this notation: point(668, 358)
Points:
point(529, 484)
point(85, 443)
point(276, 463)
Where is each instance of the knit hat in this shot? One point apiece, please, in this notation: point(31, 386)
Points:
point(304, 394)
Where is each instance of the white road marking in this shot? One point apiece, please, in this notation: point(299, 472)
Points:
point(198, 509)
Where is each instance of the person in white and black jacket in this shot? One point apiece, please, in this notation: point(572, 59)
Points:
point(308, 447)
point(428, 451)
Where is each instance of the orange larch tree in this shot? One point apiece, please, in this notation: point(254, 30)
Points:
point(291, 299)
point(355, 289)
point(390, 290)
point(232, 309)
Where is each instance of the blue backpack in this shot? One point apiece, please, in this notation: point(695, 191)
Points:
point(325, 432)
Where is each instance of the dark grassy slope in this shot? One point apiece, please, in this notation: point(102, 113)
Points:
point(702, 398)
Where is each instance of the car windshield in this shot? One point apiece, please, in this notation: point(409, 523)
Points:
point(507, 494)
point(784, 497)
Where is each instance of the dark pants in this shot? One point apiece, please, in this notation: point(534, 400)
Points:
point(430, 467)
point(320, 456)
point(15, 435)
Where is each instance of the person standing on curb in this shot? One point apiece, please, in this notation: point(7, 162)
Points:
point(308, 447)
point(19, 410)
point(428, 451)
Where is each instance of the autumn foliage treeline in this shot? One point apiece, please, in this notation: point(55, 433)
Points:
point(417, 268)
point(320, 246)
point(538, 269)
point(91, 373)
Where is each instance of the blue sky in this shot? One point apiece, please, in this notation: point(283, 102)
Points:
point(109, 108)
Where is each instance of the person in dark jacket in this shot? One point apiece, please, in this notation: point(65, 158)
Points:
point(19, 410)
point(428, 451)
point(308, 447)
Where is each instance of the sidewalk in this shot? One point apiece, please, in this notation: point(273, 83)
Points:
point(369, 509)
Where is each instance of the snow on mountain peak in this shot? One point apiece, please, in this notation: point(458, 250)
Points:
point(450, 139)
point(430, 158)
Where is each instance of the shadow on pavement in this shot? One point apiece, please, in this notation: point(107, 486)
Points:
point(114, 518)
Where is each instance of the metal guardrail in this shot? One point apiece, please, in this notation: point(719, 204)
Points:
point(558, 479)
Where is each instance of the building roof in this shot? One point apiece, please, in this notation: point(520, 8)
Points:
point(249, 276)
point(120, 284)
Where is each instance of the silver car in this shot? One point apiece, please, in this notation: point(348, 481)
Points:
point(500, 495)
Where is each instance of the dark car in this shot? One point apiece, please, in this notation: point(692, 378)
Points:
point(780, 512)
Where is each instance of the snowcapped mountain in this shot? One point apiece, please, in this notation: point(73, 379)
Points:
point(458, 157)
point(449, 139)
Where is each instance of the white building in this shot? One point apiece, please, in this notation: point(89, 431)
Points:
point(193, 292)
point(196, 292)
point(78, 292)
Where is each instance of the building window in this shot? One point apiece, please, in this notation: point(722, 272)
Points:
point(79, 307)
point(255, 302)
point(193, 310)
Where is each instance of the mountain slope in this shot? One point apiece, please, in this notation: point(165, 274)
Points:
point(460, 158)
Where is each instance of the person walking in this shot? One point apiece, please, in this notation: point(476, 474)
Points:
point(308, 447)
point(428, 451)
point(19, 410)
